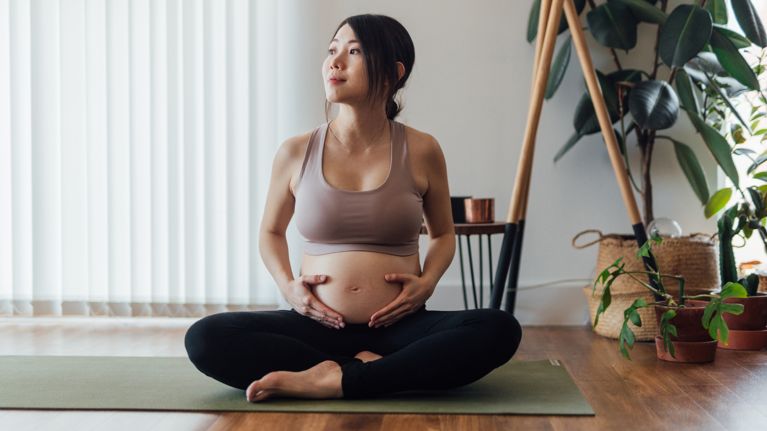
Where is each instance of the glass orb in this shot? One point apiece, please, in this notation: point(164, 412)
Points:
point(664, 226)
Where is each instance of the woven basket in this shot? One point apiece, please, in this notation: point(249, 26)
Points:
point(693, 257)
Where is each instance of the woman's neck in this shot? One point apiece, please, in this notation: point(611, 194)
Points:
point(359, 129)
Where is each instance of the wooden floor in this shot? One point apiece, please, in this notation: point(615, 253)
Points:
point(642, 394)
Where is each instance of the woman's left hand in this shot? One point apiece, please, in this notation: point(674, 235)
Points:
point(415, 292)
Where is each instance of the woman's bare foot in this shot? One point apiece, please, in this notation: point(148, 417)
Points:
point(367, 356)
point(320, 381)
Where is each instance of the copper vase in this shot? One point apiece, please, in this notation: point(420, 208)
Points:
point(480, 210)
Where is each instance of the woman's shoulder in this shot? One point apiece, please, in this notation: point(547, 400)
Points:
point(294, 147)
point(426, 157)
point(421, 143)
point(293, 150)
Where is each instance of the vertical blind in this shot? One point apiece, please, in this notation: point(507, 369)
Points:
point(133, 165)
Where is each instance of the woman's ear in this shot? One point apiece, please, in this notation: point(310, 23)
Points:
point(400, 70)
point(400, 73)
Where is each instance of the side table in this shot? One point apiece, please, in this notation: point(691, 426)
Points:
point(466, 231)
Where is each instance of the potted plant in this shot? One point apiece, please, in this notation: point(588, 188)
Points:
point(689, 327)
point(748, 331)
point(696, 52)
point(724, 115)
point(693, 257)
point(693, 45)
point(748, 214)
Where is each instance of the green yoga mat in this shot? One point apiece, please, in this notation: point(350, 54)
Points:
point(173, 383)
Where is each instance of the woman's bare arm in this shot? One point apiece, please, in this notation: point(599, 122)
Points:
point(278, 211)
point(438, 215)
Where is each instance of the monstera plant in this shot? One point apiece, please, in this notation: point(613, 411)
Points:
point(697, 51)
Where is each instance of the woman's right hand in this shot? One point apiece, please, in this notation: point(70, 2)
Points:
point(299, 294)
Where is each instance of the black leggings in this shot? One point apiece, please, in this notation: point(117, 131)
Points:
point(424, 350)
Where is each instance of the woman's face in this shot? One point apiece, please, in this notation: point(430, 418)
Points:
point(346, 62)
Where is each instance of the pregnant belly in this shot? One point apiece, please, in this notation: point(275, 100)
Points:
point(356, 287)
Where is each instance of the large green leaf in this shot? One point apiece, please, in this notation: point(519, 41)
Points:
point(654, 105)
point(749, 21)
point(718, 146)
point(644, 11)
point(692, 170)
point(737, 39)
point(734, 63)
point(684, 34)
point(685, 91)
point(558, 68)
point(532, 20)
point(613, 25)
point(718, 10)
point(718, 201)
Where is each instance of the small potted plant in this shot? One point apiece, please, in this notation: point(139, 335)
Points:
point(688, 326)
point(748, 331)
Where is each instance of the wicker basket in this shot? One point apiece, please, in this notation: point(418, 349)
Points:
point(693, 257)
point(611, 321)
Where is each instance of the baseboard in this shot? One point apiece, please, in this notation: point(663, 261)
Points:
point(563, 304)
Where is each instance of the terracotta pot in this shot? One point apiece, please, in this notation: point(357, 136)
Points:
point(687, 321)
point(686, 351)
point(745, 340)
point(754, 315)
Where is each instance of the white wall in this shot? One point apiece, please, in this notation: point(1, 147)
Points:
point(473, 64)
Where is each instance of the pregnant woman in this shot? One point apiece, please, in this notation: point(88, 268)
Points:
point(358, 186)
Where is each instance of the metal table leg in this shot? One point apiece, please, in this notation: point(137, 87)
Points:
point(490, 263)
point(481, 282)
point(463, 277)
point(471, 271)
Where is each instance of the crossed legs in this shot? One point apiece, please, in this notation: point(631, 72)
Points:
point(283, 353)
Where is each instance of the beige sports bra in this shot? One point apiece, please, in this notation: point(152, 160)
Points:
point(386, 219)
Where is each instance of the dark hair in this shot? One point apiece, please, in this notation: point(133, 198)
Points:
point(384, 42)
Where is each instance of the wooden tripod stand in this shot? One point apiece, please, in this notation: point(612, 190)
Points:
point(511, 248)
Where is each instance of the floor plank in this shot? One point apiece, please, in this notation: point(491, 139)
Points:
point(728, 394)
